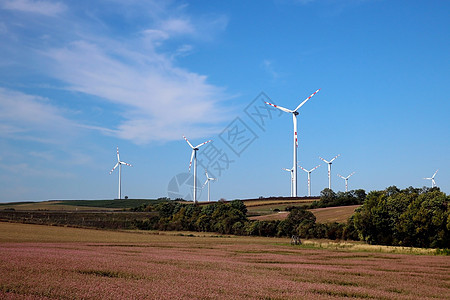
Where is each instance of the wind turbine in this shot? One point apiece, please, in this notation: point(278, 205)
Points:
point(329, 168)
point(292, 178)
point(433, 183)
point(309, 178)
point(346, 180)
point(294, 119)
point(208, 179)
point(194, 156)
point(119, 164)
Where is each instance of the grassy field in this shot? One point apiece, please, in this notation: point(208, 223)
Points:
point(267, 207)
point(338, 214)
point(45, 262)
point(109, 205)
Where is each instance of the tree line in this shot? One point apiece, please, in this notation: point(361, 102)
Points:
point(410, 217)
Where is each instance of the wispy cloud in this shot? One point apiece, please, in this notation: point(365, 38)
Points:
point(47, 8)
point(137, 73)
point(22, 113)
point(267, 65)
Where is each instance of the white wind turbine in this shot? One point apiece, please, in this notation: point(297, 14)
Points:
point(329, 168)
point(194, 156)
point(309, 178)
point(119, 164)
point(346, 180)
point(294, 119)
point(208, 179)
point(292, 178)
point(433, 183)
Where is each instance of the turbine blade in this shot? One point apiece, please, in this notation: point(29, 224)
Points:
point(199, 145)
point(435, 173)
point(279, 107)
point(341, 176)
point(314, 168)
point(113, 168)
point(324, 160)
point(124, 163)
point(192, 157)
point(206, 173)
point(205, 183)
point(335, 157)
point(303, 169)
point(304, 101)
point(188, 142)
point(351, 175)
point(118, 159)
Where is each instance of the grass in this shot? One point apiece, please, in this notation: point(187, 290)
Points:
point(115, 204)
point(276, 201)
point(56, 262)
point(267, 207)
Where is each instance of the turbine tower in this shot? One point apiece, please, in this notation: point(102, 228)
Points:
point(329, 168)
point(208, 179)
point(433, 183)
point(346, 180)
point(119, 164)
point(194, 156)
point(292, 178)
point(309, 178)
point(294, 119)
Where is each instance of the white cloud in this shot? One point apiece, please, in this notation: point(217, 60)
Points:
point(28, 110)
point(38, 7)
point(136, 72)
point(267, 66)
point(177, 26)
point(158, 100)
point(33, 118)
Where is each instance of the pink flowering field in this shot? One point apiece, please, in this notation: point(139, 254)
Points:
point(44, 262)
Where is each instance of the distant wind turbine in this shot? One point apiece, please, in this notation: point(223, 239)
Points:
point(119, 164)
point(309, 178)
point(433, 183)
point(208, 179)
point(329, 168)
point(294, 119)
point(292, 178)
point(346, 180)
point(194, 156)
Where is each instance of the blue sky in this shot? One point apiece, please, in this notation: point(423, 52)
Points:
point(78, 79)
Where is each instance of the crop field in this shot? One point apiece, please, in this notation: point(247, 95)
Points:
point(338, 214)
point(68, 205)
point(46, 262)
point(267, 207)
point(279, 201)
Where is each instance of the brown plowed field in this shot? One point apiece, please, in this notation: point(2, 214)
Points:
point(338, 214)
